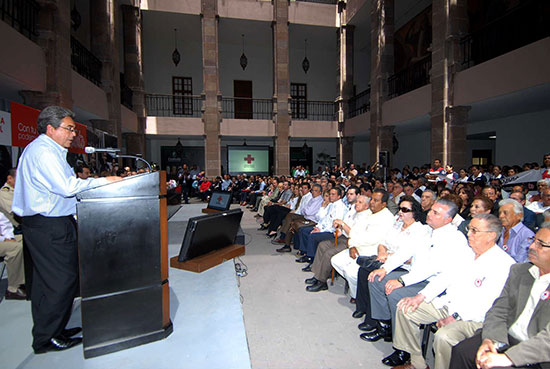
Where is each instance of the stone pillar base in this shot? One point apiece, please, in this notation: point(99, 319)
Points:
point(39, 100)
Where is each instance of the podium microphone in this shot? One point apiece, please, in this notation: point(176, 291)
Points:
point(91, 150)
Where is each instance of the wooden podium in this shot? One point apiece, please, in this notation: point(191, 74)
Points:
point(123, 256)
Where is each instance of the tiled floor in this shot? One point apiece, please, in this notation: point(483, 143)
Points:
point(288, 327)
point(205, 310)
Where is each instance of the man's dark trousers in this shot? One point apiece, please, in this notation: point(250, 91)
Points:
point(52, 242)
point(313, 239)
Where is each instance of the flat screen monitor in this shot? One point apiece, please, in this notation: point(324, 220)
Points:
point(220, 200)
point(209, 233)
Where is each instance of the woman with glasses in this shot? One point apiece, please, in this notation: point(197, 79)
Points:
point(404, 235)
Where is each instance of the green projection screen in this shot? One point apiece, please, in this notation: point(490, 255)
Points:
point(248, 159)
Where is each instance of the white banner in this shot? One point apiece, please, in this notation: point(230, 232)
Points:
point(523, 177)
point(5, 128)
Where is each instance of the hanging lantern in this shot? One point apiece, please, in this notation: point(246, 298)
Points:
point(176, 57)
point(244, 59)
point(305, 62)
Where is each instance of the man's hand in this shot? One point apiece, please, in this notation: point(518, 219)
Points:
point(491, 360)
point(391, 285)
point(114, 178)
point(353, 253)
point(443, 322)
point(410, 304)
point(315, 230)
point(380, 273)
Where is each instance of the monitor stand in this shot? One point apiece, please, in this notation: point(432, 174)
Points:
point(207, 261)
point(211, 211)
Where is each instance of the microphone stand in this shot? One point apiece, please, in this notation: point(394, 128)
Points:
point(136, 158)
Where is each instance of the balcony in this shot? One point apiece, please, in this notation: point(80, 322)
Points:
point(411, 78)
point(85, 63)
point(246, 108)
point(173, 105)
point(22, 15)
point(313, 110)
point(526, 23)
point(359, 104)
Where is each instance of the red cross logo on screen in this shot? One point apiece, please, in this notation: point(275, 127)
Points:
point(219, 199)
point(249, 159)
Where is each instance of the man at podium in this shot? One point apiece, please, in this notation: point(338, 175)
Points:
point(45, 199)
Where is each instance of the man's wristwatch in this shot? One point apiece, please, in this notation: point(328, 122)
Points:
point(400, 280)
point(500, 346)
point(456, 316)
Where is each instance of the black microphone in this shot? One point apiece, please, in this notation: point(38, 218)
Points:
point(91, 150)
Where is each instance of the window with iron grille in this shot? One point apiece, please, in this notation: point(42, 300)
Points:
point(182, 86)
point(298, 102)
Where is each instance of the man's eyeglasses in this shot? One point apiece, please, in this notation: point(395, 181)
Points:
point(71, 129)
point(475, 230)
point(538, 242)
point(405, 210)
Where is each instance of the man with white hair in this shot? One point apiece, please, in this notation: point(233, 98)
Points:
point(459, 312)
point(529, 217)
point(515, 235)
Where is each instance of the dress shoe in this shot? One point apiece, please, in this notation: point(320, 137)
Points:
point(263, 227)
point(258, 215)
point(272, 235)
point(358, 314)
point(303, 259)
point(277, 242)
point(407, 366)
point(367, 327)
point(398, 357)
point(285, 248)
point(383, 331)
point(254, 209)
point(68, 333)
point(307, 268)
point(17, 295)
point(318, 286)
point(58, 344)
point(311, 280)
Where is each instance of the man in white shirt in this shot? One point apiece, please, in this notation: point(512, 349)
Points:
point(544, 204)
point(11, 249)
point(349, 229)
point(447, 249)
point(461, 310)
point(45, 197)
point(516, 330)
point(379, 223)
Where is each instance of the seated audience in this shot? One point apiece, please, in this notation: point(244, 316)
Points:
point(459, 312)
point(516, 330)
point(379, 224)
point(11, 249)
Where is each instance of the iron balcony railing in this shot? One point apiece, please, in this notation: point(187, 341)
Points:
point(313, 110)
point(522, 25)
point(21, 15)
point(247, 108)
point(359, 104)
point(411, 78)
point(173, 105)
point(84, 62)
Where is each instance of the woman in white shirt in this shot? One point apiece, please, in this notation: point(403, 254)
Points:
point(406, 233)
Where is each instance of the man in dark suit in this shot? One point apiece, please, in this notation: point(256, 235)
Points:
point(516, 330)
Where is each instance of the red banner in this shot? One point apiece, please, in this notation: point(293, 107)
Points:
point(23, 124)
point(24, 128)
point(80, 140)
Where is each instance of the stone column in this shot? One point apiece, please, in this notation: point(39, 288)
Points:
point(448, 123)
point(347, 150)
point(345, 86)
point(382, 29)
point(54, 37)
point(133, 74)
point(103, 46)
point(281, 83)
point(211, 115)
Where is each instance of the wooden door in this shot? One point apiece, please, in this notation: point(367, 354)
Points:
point(243, 106)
